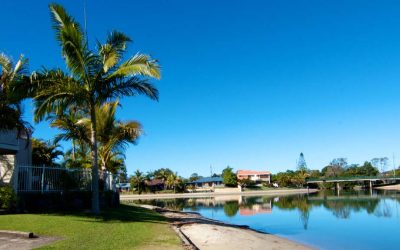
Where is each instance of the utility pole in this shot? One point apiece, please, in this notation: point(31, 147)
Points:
point(84, 16)
point(211, 173)
point(394, 167)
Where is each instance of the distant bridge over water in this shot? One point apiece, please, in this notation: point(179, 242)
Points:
point(338, 180)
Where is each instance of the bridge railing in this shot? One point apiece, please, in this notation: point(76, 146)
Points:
point(349, 178)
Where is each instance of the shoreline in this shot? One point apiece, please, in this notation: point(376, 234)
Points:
point(389, 187)
point(198, 232)
point(214, 194)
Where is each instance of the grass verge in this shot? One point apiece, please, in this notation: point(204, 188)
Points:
point(125, 227)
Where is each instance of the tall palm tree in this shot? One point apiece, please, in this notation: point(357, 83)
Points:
point(94, 77)
point(13, 78)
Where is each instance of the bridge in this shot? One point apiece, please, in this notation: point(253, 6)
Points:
point(338, 180)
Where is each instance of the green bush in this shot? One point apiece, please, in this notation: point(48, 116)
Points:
point(8, 199)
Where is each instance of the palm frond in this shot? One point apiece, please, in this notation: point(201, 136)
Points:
point(71, 40)
point(117, 87)
point(139, 64)
point(55, 91)
point(111, 52)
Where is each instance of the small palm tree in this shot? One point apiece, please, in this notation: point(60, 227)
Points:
point(94, 77)
point(172, 181)
point(138, 180)
point(45, 152)
point(13, 80)
point(114, 135)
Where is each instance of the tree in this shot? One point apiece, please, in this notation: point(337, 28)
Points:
point(301, 164)
point(229, 177)
point(93, 78)
point(78, 157)
point(194, 177)
point(172, 180)
point(162, 173)
point(113, 135)
point(13, 81)
point(339, 162)
point(380, 163)
point(137, 181)
point(45, 153)
point(335, 168)
point(365, 170)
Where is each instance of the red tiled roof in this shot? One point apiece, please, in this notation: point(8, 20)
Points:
point(155, 182)
point(252, 172)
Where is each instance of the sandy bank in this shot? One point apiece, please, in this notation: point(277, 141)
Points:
point(201, 233)
point(193, 195)
point(390, 187)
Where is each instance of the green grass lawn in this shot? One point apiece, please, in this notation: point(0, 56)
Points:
point(125, 227)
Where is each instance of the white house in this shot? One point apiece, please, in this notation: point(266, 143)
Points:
point(14, 150)
point(257, 176)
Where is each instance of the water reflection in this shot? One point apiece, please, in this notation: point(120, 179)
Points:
point(324, 220)
point(341, 206)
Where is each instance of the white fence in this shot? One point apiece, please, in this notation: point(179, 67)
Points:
point(52, 179)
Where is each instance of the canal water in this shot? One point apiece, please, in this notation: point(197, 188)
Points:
point(324, 220)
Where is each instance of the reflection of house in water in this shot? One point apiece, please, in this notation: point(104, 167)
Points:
point(245, 205)
point(264, 208)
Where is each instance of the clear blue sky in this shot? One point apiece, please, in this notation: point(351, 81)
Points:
point(249, 84)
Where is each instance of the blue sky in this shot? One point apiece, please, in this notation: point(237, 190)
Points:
point(249, 84)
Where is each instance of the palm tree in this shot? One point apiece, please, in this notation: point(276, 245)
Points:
point(138, 180)
point(94, 77)
point(114, 135)
point(13, 78)
point(173, 180)
point(45, 152)
point(78, 158)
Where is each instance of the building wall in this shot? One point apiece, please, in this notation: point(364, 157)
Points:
point(13, 151)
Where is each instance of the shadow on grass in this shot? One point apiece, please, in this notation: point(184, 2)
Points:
point(122, 213)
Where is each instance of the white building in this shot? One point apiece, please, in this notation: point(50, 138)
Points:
point(14, 151)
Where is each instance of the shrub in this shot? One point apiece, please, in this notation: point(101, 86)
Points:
point(8, 199)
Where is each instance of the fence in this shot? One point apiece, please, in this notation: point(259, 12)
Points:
point(51, 179)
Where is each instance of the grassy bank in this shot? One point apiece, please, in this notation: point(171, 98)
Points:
point(126, 227)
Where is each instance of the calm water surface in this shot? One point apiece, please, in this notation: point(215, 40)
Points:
point(352, 220)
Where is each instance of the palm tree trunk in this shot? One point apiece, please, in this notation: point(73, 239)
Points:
point(95, 168)
point(73, 149)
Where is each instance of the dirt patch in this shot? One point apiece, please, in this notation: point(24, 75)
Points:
point(12, 241)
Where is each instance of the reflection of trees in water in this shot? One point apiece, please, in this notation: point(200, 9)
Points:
point(174, 204)
point(341, 207)
point(294, 202)
point(231, 208)
point(344, 207)
point(383, 210)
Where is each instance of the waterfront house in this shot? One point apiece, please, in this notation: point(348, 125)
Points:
point(14, 151)
point(155, 184)
point(207, 182)
point(123, 187)
point(257, 176)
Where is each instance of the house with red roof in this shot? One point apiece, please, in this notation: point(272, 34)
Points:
point(257, 176)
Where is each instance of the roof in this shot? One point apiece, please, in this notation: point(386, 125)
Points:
point(155, 182)
point(123, 185)
point(208, 179)
point(252, 172)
